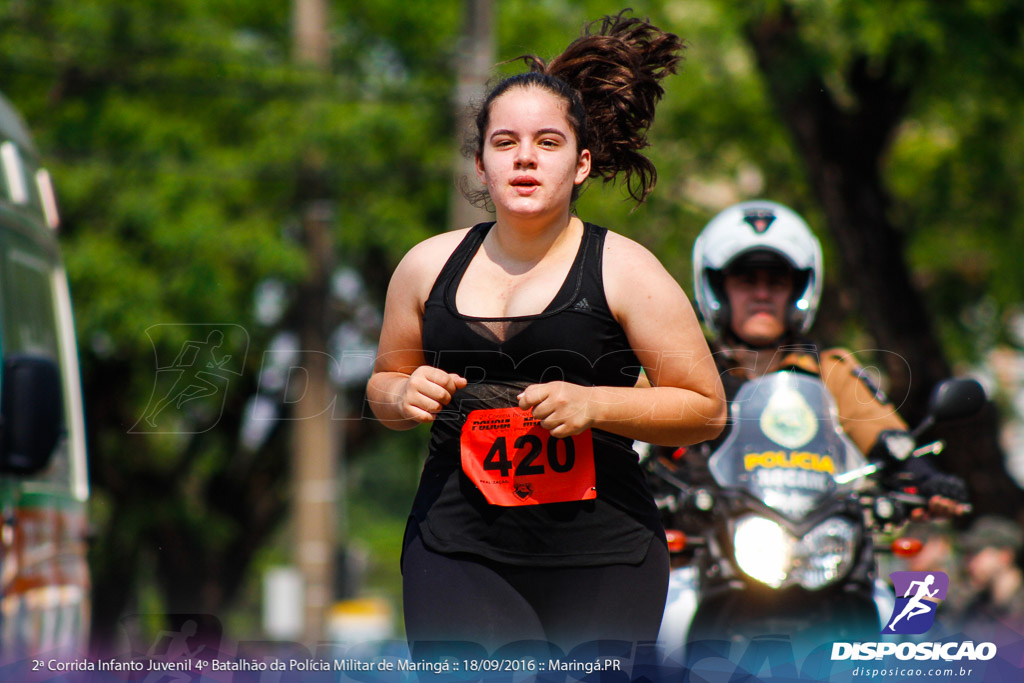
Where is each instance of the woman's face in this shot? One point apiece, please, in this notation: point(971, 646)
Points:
point(529, 161)
point(758, 300)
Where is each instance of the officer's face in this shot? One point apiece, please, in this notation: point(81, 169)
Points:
point(758, 299)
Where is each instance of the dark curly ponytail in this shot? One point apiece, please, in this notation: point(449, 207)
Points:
point(610, 81)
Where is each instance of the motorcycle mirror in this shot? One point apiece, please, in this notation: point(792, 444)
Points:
point(952, 399)
point(956, 398)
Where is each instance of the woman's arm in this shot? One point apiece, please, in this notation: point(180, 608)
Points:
point(685, 403)
point(404, 390)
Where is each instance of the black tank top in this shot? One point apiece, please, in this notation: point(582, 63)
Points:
point(575, 339)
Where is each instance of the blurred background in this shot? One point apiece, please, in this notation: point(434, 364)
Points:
point(239, 178)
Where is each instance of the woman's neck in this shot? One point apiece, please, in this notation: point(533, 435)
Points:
point(525, 243)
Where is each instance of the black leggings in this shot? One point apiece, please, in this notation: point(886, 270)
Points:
point(471, 599)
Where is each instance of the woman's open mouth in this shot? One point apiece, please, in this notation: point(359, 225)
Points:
point(525, 185)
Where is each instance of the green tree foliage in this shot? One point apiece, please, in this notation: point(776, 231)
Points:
point(181, 138)
point(867, 93)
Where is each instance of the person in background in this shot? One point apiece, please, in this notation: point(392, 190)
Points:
point(520, 341)
point(992, 553)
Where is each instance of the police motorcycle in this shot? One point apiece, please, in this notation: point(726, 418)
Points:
point(782, 539)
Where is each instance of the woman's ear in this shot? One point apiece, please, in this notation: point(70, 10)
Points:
point(480, 173)
point(582, 167)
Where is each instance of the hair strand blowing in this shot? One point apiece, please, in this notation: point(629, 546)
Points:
point(617, 71)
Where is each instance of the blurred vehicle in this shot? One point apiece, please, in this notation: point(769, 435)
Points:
point(44, 487)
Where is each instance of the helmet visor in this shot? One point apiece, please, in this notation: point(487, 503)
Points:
point(758, 259)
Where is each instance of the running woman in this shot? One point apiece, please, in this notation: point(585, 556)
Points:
point(520, 341)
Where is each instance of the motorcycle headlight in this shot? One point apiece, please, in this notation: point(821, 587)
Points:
point(762, 550)
point(826, 553)
point(768, 553)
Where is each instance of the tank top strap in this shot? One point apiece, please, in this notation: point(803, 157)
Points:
point(591, 289)
point(458, 261)
point(582, 290)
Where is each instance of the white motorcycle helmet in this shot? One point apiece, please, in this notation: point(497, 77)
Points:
point(750, 230)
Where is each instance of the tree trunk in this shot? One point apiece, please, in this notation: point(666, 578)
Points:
point(314, 440)
point(474, 60)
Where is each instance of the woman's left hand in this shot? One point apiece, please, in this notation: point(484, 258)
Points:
point(561, 407)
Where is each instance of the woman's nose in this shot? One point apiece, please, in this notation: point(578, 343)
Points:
point(525, 157)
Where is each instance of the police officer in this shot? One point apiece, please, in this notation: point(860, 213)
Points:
point(758, 276)
point(992, 550)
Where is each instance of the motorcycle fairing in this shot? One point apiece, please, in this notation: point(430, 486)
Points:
point(785, 445)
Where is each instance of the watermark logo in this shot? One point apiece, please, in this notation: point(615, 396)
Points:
point(917, 596)
point(190, 386)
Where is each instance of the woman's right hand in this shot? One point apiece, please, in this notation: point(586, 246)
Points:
point(427, 391)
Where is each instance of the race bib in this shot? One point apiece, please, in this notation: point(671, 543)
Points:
point(514, 461)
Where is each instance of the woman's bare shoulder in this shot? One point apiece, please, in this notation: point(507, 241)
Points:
point(625, 257)
point(421, 265)
point(635, 278)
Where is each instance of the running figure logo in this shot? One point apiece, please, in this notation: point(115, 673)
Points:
point(917, 596)
point(199, 375)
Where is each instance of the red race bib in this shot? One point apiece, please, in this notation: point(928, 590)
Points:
point(514, 461)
